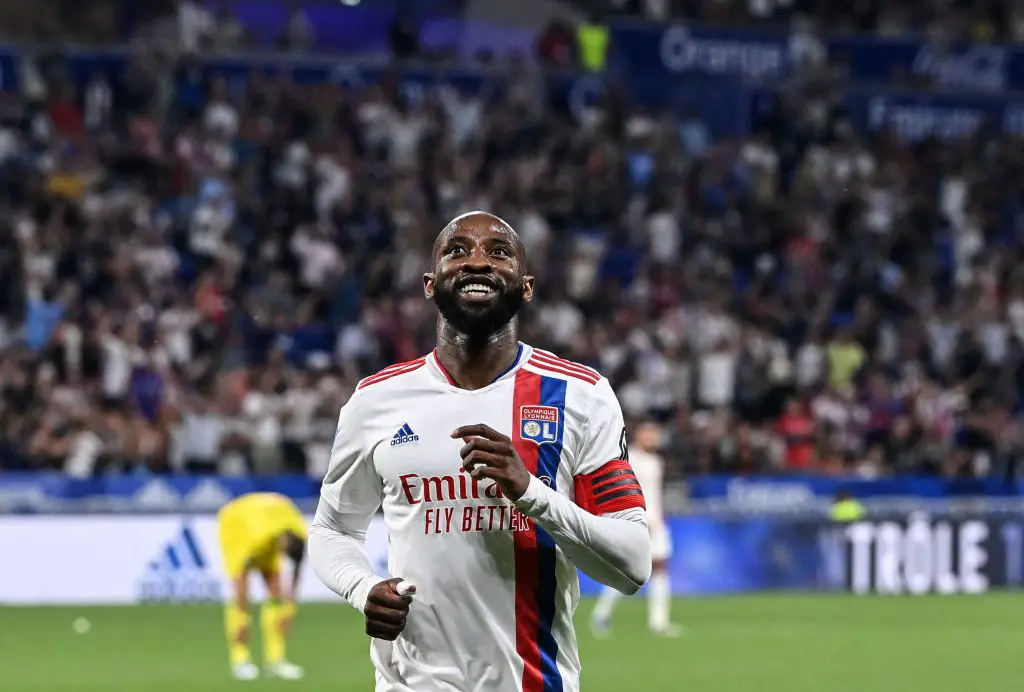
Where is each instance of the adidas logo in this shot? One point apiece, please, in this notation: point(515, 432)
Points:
point(179, 573)
point(181, 553)
point(404, 436)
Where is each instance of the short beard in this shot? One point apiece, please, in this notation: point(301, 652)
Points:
point(479, 324)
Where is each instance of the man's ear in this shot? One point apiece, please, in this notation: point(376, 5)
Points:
point(528, 289)
point(428, 286)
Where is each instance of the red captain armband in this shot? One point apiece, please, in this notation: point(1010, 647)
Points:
point(612, 488)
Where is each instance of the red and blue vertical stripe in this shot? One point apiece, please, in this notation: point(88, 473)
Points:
point(535, 549)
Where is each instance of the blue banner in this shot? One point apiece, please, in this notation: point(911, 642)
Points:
point(42, 493)
point(770, 54)
point(974, 67)
point(914, 116)
point(912, 554)
point(32, 492)
point(715, 556)
point(768, 493)
point(666, 52)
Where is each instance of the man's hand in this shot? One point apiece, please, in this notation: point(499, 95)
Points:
point(386, 610)
point(489, 454)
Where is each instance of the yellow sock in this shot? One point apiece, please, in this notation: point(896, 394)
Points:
point(270, 628)
point(236, 621)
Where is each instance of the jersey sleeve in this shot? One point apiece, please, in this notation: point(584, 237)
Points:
point(603, 478)
point(351, 484)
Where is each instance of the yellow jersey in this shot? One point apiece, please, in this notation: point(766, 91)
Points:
point(844, 362)
point(847, 511)
point(592, 40)
point(250, 527)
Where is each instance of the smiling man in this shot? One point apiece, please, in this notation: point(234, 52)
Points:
point(501, 470)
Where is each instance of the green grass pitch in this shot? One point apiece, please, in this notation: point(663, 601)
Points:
point(771, 643)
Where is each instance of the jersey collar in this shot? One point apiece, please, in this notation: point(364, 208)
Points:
point(438, 370)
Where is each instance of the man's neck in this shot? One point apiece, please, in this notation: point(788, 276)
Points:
point(474, 363)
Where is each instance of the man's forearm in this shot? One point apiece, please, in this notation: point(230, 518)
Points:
point(338, 555)
point(614, 549)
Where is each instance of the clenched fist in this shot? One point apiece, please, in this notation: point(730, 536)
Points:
point(386, 610)
point(489, 454)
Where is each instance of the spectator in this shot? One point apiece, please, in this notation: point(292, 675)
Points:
point(796, 428)
point(98, 101)
point(298, 36)
point(845, 357)
point(555, 46)
point(229, 35)
point(196, 27)
point(593, 43)
point(405, 35)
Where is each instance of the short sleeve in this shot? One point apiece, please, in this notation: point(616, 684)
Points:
point(351, 484)
point(604, 480)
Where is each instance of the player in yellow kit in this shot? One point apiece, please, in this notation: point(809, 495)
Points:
point(256, 530)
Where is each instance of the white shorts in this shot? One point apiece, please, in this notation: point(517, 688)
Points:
point(661, 541)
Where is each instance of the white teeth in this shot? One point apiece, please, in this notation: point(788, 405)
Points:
point(477, 288)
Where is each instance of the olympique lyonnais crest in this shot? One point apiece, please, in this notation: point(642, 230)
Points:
point(539, 424)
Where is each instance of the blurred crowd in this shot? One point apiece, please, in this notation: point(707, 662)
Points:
point(197, 274)
point(219, 24)
point(989, 20)
point(189, 25)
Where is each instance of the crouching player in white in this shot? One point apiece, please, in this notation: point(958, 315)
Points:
point(649, 468)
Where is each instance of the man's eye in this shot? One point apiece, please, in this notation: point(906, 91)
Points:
point(455, 250)
point(502, 252)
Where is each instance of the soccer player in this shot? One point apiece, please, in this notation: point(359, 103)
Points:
point(501, 469)
point(255, 531)
point(650, 471)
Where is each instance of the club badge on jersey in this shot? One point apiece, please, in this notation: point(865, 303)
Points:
point(539, 424)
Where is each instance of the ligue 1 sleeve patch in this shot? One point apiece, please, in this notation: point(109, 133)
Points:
point(539, 424)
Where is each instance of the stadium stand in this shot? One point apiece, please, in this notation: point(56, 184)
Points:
point(200, 264)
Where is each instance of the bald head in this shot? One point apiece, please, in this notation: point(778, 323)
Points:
point(480, 223)
point(479, 282)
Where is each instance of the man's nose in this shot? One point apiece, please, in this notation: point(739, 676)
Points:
point(476, 260)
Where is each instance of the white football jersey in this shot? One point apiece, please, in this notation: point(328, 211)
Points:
point(495, 596)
